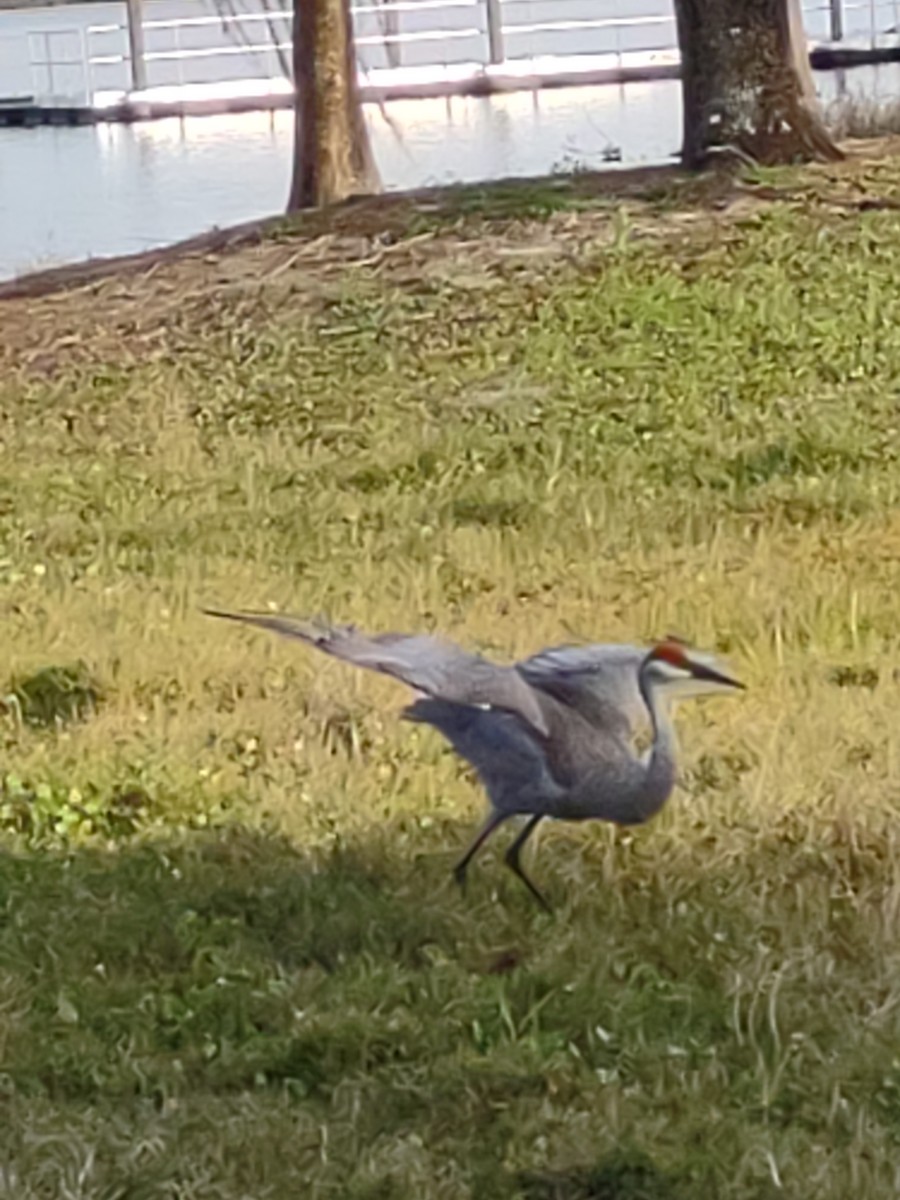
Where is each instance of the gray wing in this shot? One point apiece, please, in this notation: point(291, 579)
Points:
point(511, 762)
point(599, 681)
point(438, 669)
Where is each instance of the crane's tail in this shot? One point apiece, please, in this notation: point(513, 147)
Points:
point(313, 632)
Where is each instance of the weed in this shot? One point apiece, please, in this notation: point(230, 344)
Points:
point(54, 696)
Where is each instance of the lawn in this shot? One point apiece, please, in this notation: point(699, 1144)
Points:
point(233, 964)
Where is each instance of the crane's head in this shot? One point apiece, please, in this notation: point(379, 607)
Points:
point(685, 671)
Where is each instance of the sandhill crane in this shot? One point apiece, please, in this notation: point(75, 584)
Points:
point(548, 737)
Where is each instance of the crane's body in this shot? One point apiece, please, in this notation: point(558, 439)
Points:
point(551, 736)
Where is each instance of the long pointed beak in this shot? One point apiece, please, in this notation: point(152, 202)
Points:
point(699, 671)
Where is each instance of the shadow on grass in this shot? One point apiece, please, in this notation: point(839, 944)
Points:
point(623, 1175)
point(203, 947)
point(357, 991)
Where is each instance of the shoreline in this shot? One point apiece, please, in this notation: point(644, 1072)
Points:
point(311, 222)
point(370, 215)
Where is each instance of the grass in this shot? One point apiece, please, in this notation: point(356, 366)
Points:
point(858, 116)
point(232, 962)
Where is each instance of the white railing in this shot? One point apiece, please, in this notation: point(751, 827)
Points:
point(390, 36)
point(59, 63)
point(467, 36)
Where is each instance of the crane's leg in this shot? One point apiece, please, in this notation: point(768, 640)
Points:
point(512, 859)
point(494, 821)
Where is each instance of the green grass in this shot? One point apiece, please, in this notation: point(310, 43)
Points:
point(232, 961)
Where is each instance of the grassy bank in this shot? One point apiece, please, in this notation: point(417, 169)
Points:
point(232, 963)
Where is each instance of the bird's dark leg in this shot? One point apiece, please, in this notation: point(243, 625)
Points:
point(492, 823)
point(512, 859)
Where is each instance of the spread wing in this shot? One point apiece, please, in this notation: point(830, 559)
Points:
point(511, 762)
point(439, 669)
point(600, 682)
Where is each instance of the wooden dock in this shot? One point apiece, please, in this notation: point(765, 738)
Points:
point(27, 112)
point(132, 109)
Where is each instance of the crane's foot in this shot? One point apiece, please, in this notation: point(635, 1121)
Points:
point(539, 896)
point(460, 873)
point(512, 861)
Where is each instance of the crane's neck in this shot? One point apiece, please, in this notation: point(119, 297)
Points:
point(621, 787)
point(661, 762)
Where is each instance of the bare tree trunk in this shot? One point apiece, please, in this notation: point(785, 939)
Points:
point(332, 153)
point(746, 81)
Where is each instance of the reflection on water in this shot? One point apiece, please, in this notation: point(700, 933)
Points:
point(68, 194)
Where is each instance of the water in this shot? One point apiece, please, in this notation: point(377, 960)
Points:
point(71, 193)
point(66, 194)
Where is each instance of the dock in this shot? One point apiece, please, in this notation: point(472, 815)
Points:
point(115, 70)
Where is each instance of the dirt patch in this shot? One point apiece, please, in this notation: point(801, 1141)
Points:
point(126, 309)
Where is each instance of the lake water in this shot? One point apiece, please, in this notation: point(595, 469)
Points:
point(71, 193)
point(66, 194)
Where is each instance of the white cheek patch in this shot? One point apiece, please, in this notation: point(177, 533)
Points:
point(669, 671)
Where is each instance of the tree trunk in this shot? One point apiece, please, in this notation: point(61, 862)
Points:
point(746, 82)
point(332, 153)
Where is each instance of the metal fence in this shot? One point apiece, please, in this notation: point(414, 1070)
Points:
point(70, 63)
point(411, 36)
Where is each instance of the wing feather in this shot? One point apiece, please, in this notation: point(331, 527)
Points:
point(439, 669)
